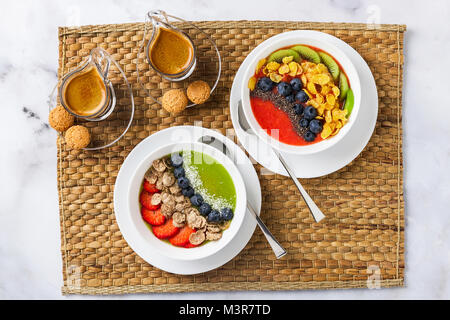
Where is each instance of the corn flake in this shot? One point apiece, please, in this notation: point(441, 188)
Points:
point(320, 110)
point(338, 114)
point(324, 90)
point(331, 99)
point(304, 80)
point(260, 64)
point(275, 77)
point(321, 68)
point(252, 83)
point(293, 68)
point(273, 66)
point(326, 131)
point(287, 59)
point(319, 98)
point(321, 79)
point(313, 103)
point(336, 91)
point(328, 117)
point(284, 68)
point(311, 88)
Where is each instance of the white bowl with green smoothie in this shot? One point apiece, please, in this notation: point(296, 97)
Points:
point(217, 180)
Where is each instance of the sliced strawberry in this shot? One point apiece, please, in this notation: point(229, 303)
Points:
point(150, 187)
point(190, 245)
point(154, 217)
point(166, 230)
point(182, 237)
point(146, 200)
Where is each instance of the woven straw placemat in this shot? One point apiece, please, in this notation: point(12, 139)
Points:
point(361, 239)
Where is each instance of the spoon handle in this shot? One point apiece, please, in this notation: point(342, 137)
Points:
point(274, 244)
point(315, 211)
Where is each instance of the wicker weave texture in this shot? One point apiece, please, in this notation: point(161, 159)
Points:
point(362, 236)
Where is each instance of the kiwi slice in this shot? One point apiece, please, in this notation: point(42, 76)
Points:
point(349, 102)
point(343, 85)
point(280, 54)
point(332, 66)
point(307, 53)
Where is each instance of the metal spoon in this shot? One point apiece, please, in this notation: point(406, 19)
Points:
point(274, 244)
point(315, 211)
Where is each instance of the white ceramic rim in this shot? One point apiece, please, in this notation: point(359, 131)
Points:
point(168, 249)
point(312, 38)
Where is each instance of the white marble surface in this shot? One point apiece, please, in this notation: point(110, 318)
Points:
point(30, 261)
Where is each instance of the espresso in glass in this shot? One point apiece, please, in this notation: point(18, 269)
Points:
point(86, 92)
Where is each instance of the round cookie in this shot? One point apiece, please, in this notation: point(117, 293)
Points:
point(198, 91)
point(59, 119)
point(77, 137)
point(174, 100)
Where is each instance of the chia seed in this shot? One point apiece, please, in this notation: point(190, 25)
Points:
point(282, 104)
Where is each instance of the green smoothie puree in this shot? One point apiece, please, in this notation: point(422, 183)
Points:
point(210, 179)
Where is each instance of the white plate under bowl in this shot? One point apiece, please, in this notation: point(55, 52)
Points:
point(326, 161)
point(163, 247)
point(181, 134)
point(288, 39)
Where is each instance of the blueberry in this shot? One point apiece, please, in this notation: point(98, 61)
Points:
point(310, 112)
point(296, 84)
point(265, 84)
point(188, 192)
point(204, 209)
point(176, 159)
point(302, 96)
point(284, 89)
point(183, 182)
point(178, 172)
point(298, 109)
point(197, 200)
point(214, 216)
point(226, 214)
point(290, 98)
point(315, 126)
point(309, 136)
point(304, 122)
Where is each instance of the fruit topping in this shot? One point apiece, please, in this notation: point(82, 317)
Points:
point(182, 237)
point(298, 109)
point(284, 89)
point(178, 172)
point(183, 182)
point(310, 113)
point(197, 200)
point(315, 126)
point(307, 53)
point(165, 230)
point(343, 85)
point(290, 98)
point(150, 187)
point(265, 84)
point(304, 123)
point(332, 66)
point(302, 96)
point(176, 159)
point(309, 136)
point(146, 200)
point(188, 192)
point(214, 216)
point(280, 54)
point(204, 209)
point(226, 214)
point(296, 84)
point(349, 102)
point(154, 217)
